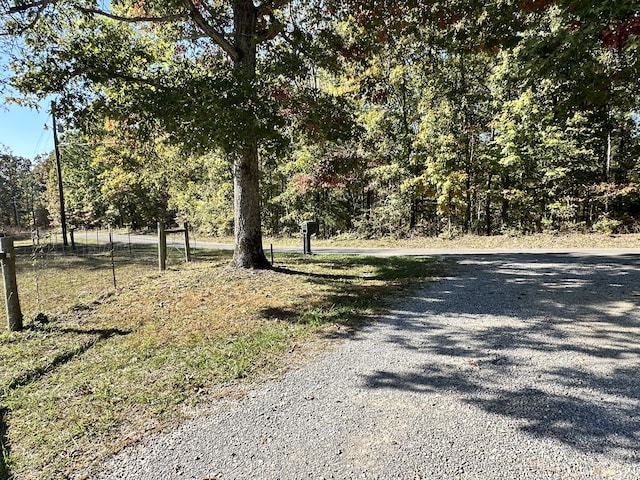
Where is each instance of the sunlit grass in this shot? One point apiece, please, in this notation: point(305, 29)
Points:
point(103, 366)
point(542, 240)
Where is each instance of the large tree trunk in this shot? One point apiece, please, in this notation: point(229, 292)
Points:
point(248, 227)
point(487, 207)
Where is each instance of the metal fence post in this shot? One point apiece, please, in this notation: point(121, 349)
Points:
point(187, 249)
point(162, 247)
point(8, 262)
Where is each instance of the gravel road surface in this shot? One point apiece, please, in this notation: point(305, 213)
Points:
point(516, 366)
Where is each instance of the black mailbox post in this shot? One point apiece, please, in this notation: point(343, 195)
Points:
point(308, 229)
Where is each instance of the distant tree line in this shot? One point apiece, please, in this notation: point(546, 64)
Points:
point(377, 121)
point(21, 194)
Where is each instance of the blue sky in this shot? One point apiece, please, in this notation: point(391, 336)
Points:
point(22, 130)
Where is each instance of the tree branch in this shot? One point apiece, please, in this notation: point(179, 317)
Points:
point(271, 5)
point(163, 19)
point(23, 8)
point(94, 75)
point(211, 32)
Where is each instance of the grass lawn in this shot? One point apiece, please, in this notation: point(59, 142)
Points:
point(103, 367)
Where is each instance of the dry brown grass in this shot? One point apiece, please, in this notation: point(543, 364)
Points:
point(573, 240)
point(542, 240)
point(110, 366)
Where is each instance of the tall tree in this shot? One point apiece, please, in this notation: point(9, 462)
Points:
point(16, 190)
point(209, 72)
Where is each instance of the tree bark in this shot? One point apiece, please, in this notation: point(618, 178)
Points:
point(248, 227)
point(487, 207)
point(248, 223)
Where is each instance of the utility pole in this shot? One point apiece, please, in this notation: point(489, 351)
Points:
point(63, 216)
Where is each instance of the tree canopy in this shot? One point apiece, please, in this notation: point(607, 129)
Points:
point(210, 74)
point(374, 117)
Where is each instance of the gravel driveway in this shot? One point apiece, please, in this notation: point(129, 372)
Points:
point(515, 367)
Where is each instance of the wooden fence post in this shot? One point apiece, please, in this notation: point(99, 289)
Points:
point(162, 247)
point(8, 262)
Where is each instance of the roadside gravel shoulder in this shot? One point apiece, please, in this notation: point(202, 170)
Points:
point(516, 366)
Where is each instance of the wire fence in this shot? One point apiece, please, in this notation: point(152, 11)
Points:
point(100, 242)
point(79, 242)
point(54, 278)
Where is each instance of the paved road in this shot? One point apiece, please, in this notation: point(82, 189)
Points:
point(515, 366)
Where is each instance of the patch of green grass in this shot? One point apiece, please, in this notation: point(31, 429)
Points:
point(110, 365)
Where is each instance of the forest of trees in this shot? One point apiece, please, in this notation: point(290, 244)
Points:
point(374, 118)
point(21, 193)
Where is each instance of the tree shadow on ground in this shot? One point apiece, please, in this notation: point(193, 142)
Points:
point(96, 336)
point(27, 377)
point(312, 275)
point(552, 341)
point(5, 473)
point(348, 298)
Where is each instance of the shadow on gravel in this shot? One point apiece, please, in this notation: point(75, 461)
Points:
point(550, 340)
point(349, 299)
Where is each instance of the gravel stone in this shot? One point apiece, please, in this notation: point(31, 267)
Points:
point(516, 366)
